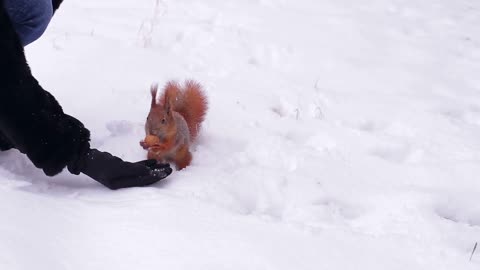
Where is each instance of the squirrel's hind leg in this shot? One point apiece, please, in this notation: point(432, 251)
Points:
point(183, 157)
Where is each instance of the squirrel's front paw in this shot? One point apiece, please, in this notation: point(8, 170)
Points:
point(157, 155)
point(157, 148)
point(144, 145)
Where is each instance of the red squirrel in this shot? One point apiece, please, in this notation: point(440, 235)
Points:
point(174, 121)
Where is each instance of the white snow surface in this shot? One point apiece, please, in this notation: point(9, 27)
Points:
point(340, 135)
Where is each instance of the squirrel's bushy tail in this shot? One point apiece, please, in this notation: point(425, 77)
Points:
point(189, 101)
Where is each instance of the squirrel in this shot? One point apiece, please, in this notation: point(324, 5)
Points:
point(174, 122)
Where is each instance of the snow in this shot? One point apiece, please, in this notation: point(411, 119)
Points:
point(340, 135)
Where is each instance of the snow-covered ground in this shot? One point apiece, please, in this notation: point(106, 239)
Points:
point(341, 135)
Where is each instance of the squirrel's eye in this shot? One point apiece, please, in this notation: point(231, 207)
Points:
point(163, 121)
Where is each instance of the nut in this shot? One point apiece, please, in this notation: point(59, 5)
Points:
point(152, 140)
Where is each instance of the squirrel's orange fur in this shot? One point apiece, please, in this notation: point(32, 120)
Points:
point(175, 120)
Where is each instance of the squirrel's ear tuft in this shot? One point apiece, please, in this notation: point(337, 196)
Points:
point(167, 104)
point(153, 91)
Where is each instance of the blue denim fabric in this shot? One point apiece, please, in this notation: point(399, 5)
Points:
point(30, 18)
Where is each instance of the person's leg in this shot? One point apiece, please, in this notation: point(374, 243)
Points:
point(29, 17)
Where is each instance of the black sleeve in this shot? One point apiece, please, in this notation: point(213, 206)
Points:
point(30, 117)
point(56, 4)
point(4, 143)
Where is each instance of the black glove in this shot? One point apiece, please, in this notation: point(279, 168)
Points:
point(115, 173)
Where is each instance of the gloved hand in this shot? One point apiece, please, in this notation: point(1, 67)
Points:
point(115, 173)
